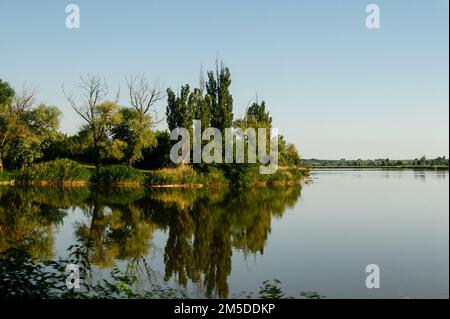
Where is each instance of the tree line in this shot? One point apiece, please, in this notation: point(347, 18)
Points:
point(382, 162)
point(112, 133)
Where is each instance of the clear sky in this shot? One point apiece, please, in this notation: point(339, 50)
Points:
point(334, 87)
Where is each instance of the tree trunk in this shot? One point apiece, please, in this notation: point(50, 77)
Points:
point(97, 157)
point(1, 160)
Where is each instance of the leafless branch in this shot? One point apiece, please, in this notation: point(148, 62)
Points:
point(143, 94)
point(25, 99)
point(93, 91)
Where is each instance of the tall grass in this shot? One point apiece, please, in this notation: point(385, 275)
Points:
point(185, 175)
point(65, 171)
point(118, 175)
point(59, 171)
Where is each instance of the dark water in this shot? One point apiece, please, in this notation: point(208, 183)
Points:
point(212, 243)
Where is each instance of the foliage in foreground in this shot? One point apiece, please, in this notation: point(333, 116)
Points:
point(23, 277)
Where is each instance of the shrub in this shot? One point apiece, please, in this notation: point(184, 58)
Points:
point(214, 177)
point(57, 171)
point(118, 174)
point(184, 174)
point(283, 174)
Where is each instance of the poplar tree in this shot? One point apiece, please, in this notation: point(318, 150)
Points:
point(219, 98)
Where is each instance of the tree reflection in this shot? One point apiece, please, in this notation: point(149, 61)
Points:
point(203, 226)
point(203, 231)
point(28, 217)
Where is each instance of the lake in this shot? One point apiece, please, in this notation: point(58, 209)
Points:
point(213, 243)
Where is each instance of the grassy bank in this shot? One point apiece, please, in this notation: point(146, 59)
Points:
point(68, 173)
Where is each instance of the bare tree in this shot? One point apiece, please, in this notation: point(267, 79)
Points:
point(93, 92)
point(143, 94)
point(25, 99)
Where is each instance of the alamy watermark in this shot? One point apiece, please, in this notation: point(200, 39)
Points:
point(73, 276)
point(373, 19)
point(73, 17)
point(373, 279)
point(262, 146)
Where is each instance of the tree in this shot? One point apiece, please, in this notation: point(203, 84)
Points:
point(178, 112)
point(199, 107)
point(219, 98)
point(255, 117)
point(6, 117)
point(6, 92)
point(40, 128)
point(135, 131)
point(12, 110)
point(143, 94)
point(99, 114)
point(136, 127)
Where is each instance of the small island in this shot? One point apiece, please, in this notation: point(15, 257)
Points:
point(118, 145)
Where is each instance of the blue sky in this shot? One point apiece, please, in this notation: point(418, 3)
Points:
point(335, 88)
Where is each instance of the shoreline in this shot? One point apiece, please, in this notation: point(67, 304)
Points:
point(136, 185)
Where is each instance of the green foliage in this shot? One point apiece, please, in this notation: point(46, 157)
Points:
point(117, 174)
point(255, 117)
point(57, 172)
point(6, 92)
point(271, 290)
point(6, 176)
point(199, 107)
point(219, 98)
point(241, 175)
point(158, 156)
point(21, 277)
point(24, 277)
point(135, 131)
point(113, 135)
point(288, 154)
point(178, 112)
point(186, 174)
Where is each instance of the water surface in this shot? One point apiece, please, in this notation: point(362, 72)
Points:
point(215, 243)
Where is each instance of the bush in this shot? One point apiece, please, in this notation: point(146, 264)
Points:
point(118, 174)
point(58, 171)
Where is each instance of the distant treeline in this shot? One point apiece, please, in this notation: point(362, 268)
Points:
point(382, 162)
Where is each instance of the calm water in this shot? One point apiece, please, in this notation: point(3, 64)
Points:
point(318, 237)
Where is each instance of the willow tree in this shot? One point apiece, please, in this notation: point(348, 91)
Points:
point(135, 131)
point(6, 117)
point(12, 109)
point(39, 128)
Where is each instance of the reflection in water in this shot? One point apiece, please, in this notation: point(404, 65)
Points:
point(204, 226)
